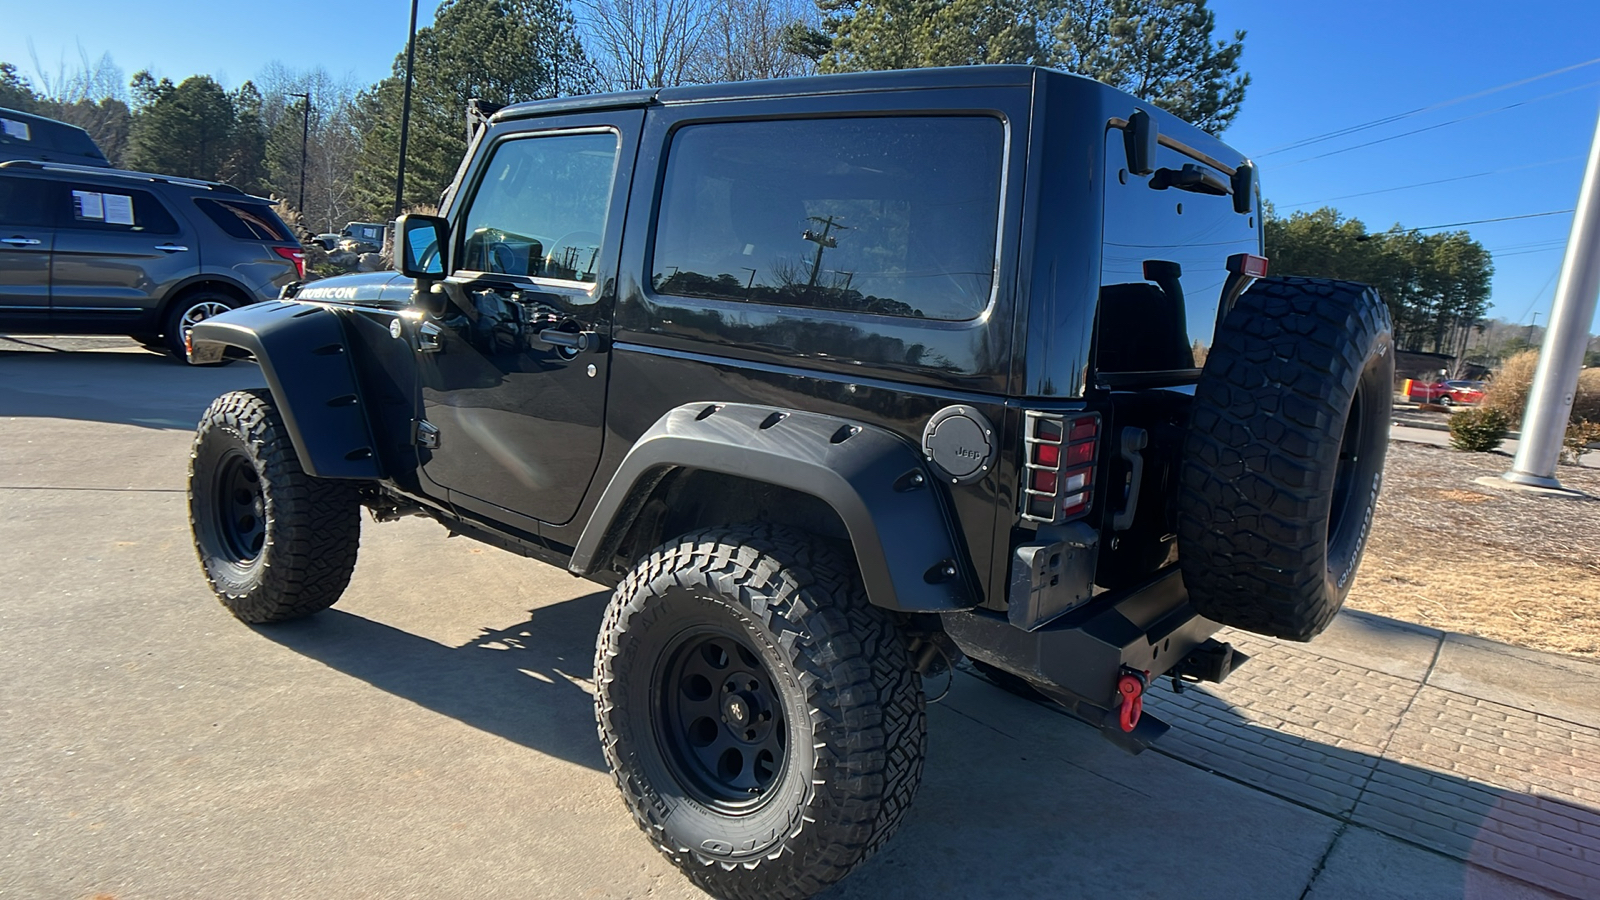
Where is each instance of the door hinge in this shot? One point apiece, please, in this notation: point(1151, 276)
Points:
point(427, 434)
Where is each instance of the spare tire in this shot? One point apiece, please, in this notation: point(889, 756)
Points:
point(1284, 455)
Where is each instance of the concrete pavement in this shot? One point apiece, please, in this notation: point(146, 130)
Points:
point(432, 735)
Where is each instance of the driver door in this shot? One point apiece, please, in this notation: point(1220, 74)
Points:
point(514, 371)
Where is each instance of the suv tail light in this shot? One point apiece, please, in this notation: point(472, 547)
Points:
point(294, 255)
point(1058, 474)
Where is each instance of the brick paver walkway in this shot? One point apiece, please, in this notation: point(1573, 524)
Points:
point(1487, 781)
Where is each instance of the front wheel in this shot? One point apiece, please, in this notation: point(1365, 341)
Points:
point(275, 543)
point(763, 721)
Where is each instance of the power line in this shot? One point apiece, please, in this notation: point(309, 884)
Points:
point(1407, 187)
point(1476, 115)
point(1352, 129)
point(1538, 295)
point(1554, 212)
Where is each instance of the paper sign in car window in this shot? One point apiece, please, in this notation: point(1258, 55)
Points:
point(18, 130)
point(89, 205)
point(118, 209)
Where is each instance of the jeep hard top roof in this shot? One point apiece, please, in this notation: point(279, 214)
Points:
point(1113, 103)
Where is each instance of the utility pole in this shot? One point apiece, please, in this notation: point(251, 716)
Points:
point(822, 239)
point(405, 115)
point(305, 137)
point(1556, 379)
point(1531, 326)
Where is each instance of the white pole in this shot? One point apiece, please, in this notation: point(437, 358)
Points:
point(1556, 380)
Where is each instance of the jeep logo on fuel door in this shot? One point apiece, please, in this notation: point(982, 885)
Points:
point(960, 443)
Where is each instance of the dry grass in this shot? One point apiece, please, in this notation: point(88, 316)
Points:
point(1452, 554)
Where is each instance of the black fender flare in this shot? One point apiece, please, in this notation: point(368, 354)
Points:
point(892, 507)
point(303, 355)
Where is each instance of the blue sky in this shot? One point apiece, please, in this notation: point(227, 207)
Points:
point(1315, 67)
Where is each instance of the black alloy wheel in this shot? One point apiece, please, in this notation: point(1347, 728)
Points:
point(723, 723)
point(241, 508)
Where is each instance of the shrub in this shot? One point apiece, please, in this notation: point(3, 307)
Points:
point(1586, 403)
point(1508, 392)
point(1580, 434)
point(1478, 430)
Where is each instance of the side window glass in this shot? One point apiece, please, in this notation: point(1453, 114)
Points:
point(114, 208)
point(22, 202)
point(540, 208)
point(892, 216)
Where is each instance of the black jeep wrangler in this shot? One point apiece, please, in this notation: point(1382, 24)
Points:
point(835, 380)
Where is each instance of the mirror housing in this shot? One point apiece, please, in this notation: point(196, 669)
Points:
point(420, 243)
point(1244, 188)
point(1140, 139)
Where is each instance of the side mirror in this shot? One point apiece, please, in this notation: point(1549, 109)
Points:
point(419, 250)
point(1244, 188)
point(1140, 139)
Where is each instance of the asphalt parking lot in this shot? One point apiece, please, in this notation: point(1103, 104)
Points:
point(432, 735)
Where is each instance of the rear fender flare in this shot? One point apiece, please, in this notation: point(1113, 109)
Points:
point(302, 352)
point(890, 503)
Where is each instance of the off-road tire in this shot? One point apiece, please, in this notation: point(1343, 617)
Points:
point(853, 709)
point(310, 528)
point(1284, 455)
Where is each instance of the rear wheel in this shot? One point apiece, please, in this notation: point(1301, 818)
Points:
point(275, 543)
point(189, 311)
point(763, 720)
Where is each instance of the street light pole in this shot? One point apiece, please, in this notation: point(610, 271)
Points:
point(405, 114)
point(305, 137)
point(1556, 379)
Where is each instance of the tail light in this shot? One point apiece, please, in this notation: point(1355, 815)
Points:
point(1058, 475)
point(294, 255)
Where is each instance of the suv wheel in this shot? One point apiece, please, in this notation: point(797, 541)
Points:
point(188, 312)
point(762, 719)
point(275, 543)
point(1284, 455)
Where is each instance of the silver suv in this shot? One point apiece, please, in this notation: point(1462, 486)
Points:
point(101, 251)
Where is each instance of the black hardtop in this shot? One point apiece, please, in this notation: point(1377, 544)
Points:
point(947, 77)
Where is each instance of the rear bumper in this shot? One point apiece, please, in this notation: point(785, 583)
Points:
point(1078, 658)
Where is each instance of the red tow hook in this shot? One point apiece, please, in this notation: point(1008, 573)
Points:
point(1130, 688)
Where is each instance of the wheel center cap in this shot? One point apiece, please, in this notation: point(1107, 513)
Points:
point(737, 709)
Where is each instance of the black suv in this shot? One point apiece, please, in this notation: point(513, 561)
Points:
point(835, 380)
point(103, 251)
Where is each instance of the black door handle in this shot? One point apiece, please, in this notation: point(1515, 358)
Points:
point(576, 341)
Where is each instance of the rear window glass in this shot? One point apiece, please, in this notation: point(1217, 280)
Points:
point(893, 216)
point(1163, 267)
point(104, 208)
point(246, 221)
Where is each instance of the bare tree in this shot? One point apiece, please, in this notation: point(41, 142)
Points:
point(333, 141)
point(646, 43)
point(94, 97)
point(745, 40)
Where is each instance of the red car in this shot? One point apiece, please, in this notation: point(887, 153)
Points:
point(1447, 393)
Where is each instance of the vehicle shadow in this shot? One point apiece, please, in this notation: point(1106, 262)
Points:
point(528, 683)
point(140, 388)
point(1019, 801)
point(1055, 811)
